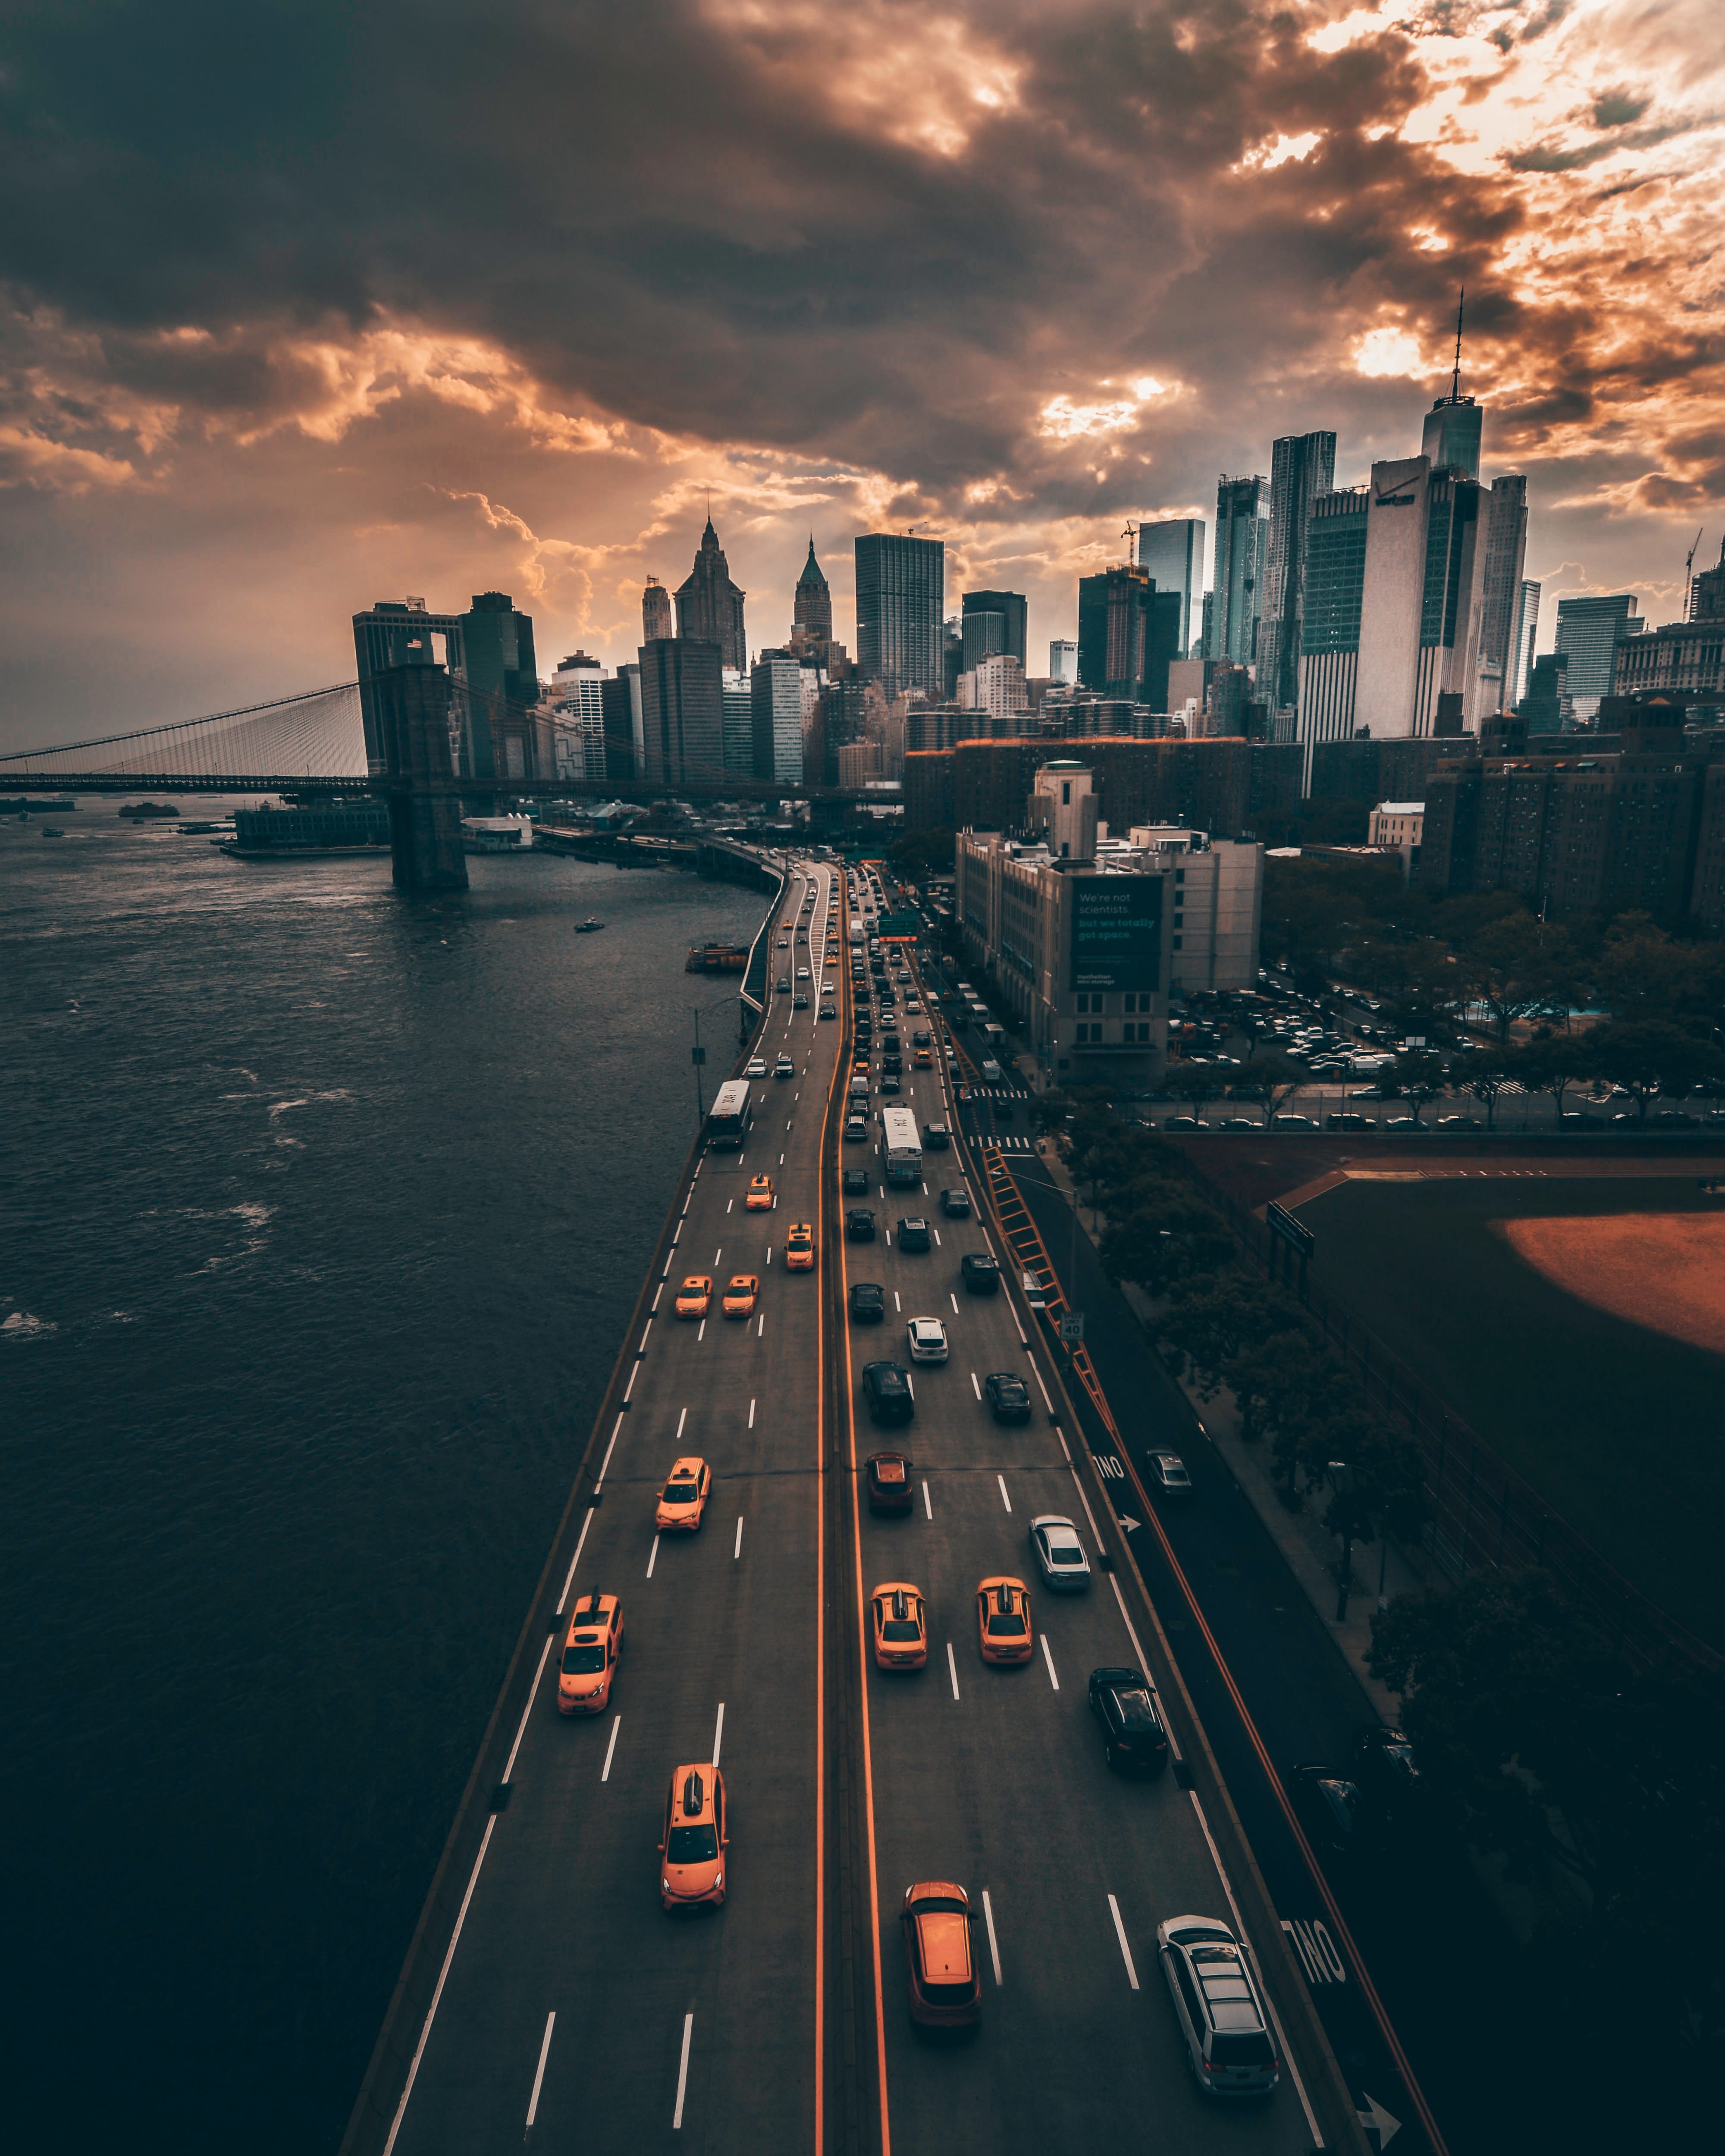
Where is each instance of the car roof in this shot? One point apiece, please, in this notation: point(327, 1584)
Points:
point(698, 1280)
point(690, 1463)
point(709, 1775)
point(592, 1609)
point(1052, 1520)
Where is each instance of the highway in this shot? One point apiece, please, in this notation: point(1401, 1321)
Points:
point(1003, 1787)
point(568, 2009)
point(571, 1995)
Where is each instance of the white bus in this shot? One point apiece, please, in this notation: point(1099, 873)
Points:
point(728, 1121)
point(857, 931)
point(903, 1145)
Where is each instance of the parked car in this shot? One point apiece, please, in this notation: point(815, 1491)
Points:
point(1327, 1806)
point(1167, 1473)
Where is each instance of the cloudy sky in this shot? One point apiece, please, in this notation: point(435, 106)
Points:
point(305, 305)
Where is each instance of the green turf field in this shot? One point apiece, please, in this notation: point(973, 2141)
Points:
point(1622, 1429)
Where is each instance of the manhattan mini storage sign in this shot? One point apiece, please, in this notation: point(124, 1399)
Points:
point(1117, 930)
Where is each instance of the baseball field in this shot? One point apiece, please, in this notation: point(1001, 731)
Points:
point(1579, 1324)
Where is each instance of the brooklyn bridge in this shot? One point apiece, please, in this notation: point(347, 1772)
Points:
point(417, 737)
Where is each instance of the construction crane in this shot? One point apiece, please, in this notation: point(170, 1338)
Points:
point(1689, 578)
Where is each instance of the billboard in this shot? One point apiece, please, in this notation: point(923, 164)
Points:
point(1117, 930)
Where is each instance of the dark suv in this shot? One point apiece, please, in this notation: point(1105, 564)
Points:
point(913, 1234)
point(1133, 1734)
point(868, 1302)
point(980, 1273)
point(956, 1204)
point(887, 1390)
point(859, 1225)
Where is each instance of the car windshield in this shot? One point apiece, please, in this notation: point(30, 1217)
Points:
point(1009, 1389)
point(680, 1493)
point(901, 1628)
point(692, 1844)
point(1006, 1628)
point(1136, 1711)
point(582, 1661)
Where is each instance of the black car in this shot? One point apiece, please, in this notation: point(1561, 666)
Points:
point(892, 1062)
point(913, 1234)
point(1327, 1805)
point(868, 1302)
point(887, 1389)
point(937, 1136)
point(922, 1039)
point(889, 1082)
point(980, 1273)
point(1007, 1396)
point(856, 1183)
point(859, 1225)
point(1385, 1770)
point(1133, 1738)
point(956, 1204)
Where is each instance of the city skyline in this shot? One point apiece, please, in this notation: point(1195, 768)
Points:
point(215, 456)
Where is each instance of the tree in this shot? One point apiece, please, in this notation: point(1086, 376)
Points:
point(1485, 1085)
point(1212, 1317)
point(1514, 968)
point(1169, 1231)
point(1380, 1489)
point(1192, 1082)
point(1554, 1064)
point(1648, 1056)
point(1275, 1077)
point(1419, 1077)
point(922, 853)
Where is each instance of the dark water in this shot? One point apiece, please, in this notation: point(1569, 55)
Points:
point(320, 1216)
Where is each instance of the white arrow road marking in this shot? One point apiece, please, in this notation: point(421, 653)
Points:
point(1128, 1522)
point(1378, 2121)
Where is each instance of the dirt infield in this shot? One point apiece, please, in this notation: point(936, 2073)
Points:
point(1663, 1270)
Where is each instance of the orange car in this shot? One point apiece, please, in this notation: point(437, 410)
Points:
point(684, 1497)
point(945, 1989)
point(760, 1197)
point(922, 1061)
point(590, 1655)
point(740, 1292)
point(695, 1842)
point(900, 1626)
point(695, 1295)
point(799, 1247)
point(1003, 1617)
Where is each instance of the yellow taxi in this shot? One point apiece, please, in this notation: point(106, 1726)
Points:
point(695, 1296)
point(901, 1625)
point(799, 1247)
point(1003, 1617)
point(946, 1988)
point(590, 1655)
point(741, 1290)
point(760, 1197)
point(922, 1061)
point(683, 1499)
point(692, 1852)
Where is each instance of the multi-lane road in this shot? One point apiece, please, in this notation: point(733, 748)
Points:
point(549, 1995)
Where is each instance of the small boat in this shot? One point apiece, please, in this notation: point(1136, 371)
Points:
point(587, 927)
point(52, 831)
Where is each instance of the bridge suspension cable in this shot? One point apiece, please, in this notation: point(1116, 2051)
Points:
point(316, 734)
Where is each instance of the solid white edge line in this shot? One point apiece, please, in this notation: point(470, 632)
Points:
point(1125, 1952)
point(606, 1462)
point(927, 1509)
point(683, 2072)
point(1084, 1500)
point(533, 1695)
point(1048, 1657)
point(1037, 1375)
point(737, 1552)
point(401, 2109)
point(551, 2021)
point(634, 1374)
point(653, 1557)
point(1245, 1937)
point(993, 1943)
point(605, 1771)
point(952, 1668)
point(1004, 1499)
point(569, 1579)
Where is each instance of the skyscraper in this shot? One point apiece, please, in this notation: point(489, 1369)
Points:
point(777, 712)
point(1063, 661)
point(1421, 602)
point(984, 637)
point(1589, 632)
point(1242, 542)
point(1013, 609)
point(1330, 621)
point(1172, 551)
point(1127, 632)
point(901, 604)
point(1301, 467)
point(655, 611)
point(1506, 556)
point(682, 712)
point(1526, 634)
point(1451, 438)
point(811, 609)
point(710, 606)
point(494, 677)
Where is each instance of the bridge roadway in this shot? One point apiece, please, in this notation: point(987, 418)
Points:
point(565, 1918)
point(1004, 1788)
point(711, 2029)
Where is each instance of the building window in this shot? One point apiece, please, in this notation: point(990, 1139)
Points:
point(1179, 921)
point(1177, 942)
point(1180, 876)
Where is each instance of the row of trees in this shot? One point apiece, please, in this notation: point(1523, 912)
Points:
point(1225, 1327)
point(1539, 1743)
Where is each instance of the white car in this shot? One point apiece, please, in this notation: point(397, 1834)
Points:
point(754, 1068)
point(928, 1340)
point(784, 1068)
point(1059, 1553)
